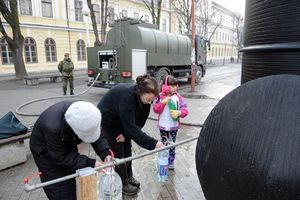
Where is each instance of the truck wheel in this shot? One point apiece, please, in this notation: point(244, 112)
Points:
point(198, 76)
point(160, 74)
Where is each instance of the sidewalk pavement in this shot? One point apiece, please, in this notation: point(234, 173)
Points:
point(183, 182)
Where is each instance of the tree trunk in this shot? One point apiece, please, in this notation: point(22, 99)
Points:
point(158, 13)
point(153, 12)
point(103, 26)
point(16, 42)
point(94, 23)
point(105, 21)
point(19, 64)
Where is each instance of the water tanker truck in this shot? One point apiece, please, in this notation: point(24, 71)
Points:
point(134, 47)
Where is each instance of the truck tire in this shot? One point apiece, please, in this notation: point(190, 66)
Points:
point(160, 74)
point(198, 77)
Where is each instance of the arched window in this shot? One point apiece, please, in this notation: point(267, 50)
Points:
point(81, 50)
point(30, 50)
point(50, 49)
point(6, 53)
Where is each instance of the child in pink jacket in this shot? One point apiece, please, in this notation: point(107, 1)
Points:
point(170, 107)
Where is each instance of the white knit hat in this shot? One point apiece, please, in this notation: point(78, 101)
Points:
point(84, 118)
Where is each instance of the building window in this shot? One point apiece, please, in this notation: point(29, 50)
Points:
point(111, 15)
point(47, 8)
point(124, 13)
point(146, 18)
point(30, 50)
point(164, 25)
point(25, 7)
point(81, 50)
point(78, 11)
point(50, 49)
point(136, 15)
point(96, 9)
point(6, 53)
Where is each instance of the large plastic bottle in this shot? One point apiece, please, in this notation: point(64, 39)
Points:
point(162, 166)
point(110, 185)
point(172, 106)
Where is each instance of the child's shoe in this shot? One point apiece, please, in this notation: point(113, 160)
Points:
point(171, 165)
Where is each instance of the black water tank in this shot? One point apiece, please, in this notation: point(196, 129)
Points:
point(272, 38)
point(249, 146)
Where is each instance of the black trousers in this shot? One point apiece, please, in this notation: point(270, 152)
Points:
point(65, 190)
point(121, 150)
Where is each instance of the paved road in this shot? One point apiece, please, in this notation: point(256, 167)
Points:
point(183, 182)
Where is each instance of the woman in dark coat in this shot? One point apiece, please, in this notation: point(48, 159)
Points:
point(125, 109)
point(54, 140)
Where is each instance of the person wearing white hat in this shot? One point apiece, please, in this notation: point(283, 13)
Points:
point(54, 140)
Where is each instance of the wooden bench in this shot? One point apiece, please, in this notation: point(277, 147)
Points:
point(13, 151)
point(34, 79)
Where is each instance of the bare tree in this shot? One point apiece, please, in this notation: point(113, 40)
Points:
point(238, 34)
point(94, 23)
point(104, 7)
point(150, 4)
point(205, 20)
point(204, 17)
point(184, 14)
point(16, 42)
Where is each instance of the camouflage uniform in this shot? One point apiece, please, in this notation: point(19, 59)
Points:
point(66, 68)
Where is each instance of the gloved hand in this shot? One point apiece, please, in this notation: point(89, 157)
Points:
point(175, 114)
point(166, 100)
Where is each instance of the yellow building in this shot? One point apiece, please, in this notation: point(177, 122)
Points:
point(53, 27)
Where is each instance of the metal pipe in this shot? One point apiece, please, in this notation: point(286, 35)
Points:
point(29, 188)
point(193, 67)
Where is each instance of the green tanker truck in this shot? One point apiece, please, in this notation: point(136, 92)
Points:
point(134, 47)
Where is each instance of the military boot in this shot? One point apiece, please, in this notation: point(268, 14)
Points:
point(65, 92)
point(71, 92)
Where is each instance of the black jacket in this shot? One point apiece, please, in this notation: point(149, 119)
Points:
point(123, 112)
point(54, 147)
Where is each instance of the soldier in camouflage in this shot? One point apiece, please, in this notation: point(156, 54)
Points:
point(66, 68)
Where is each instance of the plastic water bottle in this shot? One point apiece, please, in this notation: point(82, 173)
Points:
point(110, 186)
point(162, 166)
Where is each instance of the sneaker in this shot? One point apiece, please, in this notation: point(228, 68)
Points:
point(130, 190)
point(171, 167)
point(134, 182)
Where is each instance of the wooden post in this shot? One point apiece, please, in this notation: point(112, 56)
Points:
point(86, 186)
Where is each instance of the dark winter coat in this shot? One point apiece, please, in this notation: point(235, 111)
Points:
point(54, 147)
point(123, 112)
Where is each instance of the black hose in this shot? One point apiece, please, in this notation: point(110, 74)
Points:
point(47, 98)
